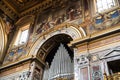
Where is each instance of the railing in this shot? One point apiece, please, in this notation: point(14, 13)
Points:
point(115, 76)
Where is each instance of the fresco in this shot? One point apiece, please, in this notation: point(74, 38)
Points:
point(52, 18)
point(14, 55)
point(8, 22)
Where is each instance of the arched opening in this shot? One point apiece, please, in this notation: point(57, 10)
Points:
point(70, 30)
point(3, 40)
point(47, 45)
point(51, 46)
point(58, 39)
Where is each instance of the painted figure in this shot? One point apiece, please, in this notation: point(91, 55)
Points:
point(71, 14)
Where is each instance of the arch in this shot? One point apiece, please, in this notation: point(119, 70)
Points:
point(73, 31)
point(51, 48)
point(3, 40)
point(24, 20)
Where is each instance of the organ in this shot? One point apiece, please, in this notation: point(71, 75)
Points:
point(61, 66)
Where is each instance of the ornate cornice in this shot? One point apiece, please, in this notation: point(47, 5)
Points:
point(95, 36)
point(14, 13)
point(8, 10)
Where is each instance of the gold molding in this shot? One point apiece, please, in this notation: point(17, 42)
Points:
point(17, 61)
point(97, 34)
point(55, 28)
point(99, 46)
point(4, 71)
point(24, 20)
point(10, 7)
point(4, 40)
point(39, 6)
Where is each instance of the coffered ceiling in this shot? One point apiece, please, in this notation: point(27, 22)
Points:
point(19, 8)
point(22, 5)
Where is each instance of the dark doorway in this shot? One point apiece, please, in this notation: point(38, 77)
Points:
point(114, 66)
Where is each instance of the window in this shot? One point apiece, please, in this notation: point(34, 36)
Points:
point(22, 35)
point(102, 5)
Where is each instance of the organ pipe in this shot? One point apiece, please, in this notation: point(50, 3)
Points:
point(61, 65)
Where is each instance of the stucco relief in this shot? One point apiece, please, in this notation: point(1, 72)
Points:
point(71, 31)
